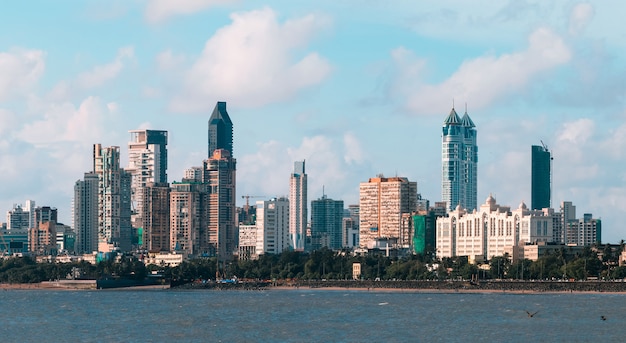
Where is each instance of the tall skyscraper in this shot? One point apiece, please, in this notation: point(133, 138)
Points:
point(459, 183)
point(85, 214)
point(298, 206)
point(272, 222)
point(326, 223)
point(220, 130)
point(540, 177)
point(114, 204)
point(382, 201)
point(219, 177)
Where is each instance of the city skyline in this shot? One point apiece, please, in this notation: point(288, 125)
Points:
point(355, 89)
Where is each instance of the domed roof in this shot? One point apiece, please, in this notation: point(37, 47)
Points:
point(523, 206)
point(490, 200)
point(459, 208)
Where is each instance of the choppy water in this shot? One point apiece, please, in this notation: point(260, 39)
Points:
point(306, 316)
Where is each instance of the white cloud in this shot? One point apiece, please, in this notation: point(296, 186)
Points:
point(580, 17)
point(20, 71)
point(66, 123)
point(167, 60)
point(486, 79)
point(103, 73)
point(160, 10)
point(354, 153)
point(254, 61)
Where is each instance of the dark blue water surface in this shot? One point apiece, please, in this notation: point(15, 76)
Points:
point(307, 316)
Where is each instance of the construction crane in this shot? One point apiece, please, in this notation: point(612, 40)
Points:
point(247, 197)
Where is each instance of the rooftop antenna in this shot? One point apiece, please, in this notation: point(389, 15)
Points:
point(465, 107)
point(452, 103)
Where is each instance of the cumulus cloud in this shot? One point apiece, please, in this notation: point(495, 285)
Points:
point(103, 73)
point(67, 123)
point(485, 79)
point(254, 61)
point(580, 17)
point(20, 70)
point(161, 10)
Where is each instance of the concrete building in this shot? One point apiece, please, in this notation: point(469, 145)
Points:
point(18, 218)
point(350, 227)
point(188, 218)
point(85, 213)
point(490, 231)
point(114, 203)
point(272, 222)
point(382, 201)
point(585, 231)
point(459, 183)
point(247, 241)
point(541, 177)
point(219, 175)
point(298, 210)
point(153, 217)
point(147, 165)
point(42, 239)
point(326, 223)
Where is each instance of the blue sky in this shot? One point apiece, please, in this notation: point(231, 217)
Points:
point(356, 88)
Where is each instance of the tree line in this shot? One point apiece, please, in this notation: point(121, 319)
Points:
point(331, 265)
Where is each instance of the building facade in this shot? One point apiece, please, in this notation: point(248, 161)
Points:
point(188, 218)
point(298, 210)
point(459, 178)
point(85, 214)
point(220, 133)
point(272, 222)
point(490, 231)
point(326, 223)
point(219, 177)
point(540, 189)
point(114, 200)
point(382, 202)
point(152, 224)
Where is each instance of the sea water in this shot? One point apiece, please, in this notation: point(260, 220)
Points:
point(306, 315)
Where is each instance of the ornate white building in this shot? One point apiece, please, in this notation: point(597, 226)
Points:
point(491, 230)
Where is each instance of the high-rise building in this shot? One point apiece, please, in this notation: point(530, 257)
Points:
point(147, 157)
point(272, 222)
point(540, 177)
point(382, 202)
point(350, 227)
point(459, 185)
point(114, 204)
point(19, 218)
point(188, 218)
point(85, 214)
point(219, 177)
point(220, 130)
point(153, 221)
point(298, 206)
point(326, 223)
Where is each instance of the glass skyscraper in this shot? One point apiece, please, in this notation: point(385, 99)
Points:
point(459, 184)
point(540, 177)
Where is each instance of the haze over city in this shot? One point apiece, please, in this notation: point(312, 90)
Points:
point(355, 88)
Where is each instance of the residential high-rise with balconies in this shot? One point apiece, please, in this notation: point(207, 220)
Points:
point(459, 185)
point(298, 206)
point(219, 176)
point(188, 218)
point(272, 222)
point(114, 203)
point(382, 202)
